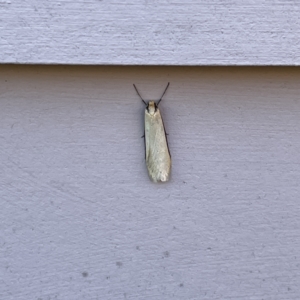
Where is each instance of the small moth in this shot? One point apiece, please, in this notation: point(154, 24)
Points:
point(158, 158)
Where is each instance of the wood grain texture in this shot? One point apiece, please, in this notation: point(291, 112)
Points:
point(250, 32)
point(80, 218)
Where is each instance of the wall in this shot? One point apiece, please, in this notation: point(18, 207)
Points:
point(80, 218)
point(165, 32)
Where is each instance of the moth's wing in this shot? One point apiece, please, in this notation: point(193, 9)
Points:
point(157, 153)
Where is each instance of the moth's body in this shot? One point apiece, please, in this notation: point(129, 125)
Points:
point(158, 158)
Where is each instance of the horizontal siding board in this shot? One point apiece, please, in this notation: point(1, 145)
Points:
point(150, 32)
point(80, 218)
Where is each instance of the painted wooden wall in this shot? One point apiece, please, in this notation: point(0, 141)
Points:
point(80, 218)
point(166, 32)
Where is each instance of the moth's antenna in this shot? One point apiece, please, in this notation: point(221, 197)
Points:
point(139, 95)
point(163, 94)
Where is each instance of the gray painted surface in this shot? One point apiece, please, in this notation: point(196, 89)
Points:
point(81, 220)
point(216, 32)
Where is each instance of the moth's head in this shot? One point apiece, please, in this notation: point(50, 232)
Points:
point(151, 107)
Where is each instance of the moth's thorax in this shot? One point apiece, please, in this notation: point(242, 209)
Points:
point(151, 108)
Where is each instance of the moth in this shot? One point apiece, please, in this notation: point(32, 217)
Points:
point(158, 158)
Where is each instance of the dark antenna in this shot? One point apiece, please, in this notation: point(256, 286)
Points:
point(163, 93)
point(139, 95)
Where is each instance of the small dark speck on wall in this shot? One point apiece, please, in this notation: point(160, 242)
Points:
point(85, 274)
point(181, 284)
point(166, 254)
point(119, 264)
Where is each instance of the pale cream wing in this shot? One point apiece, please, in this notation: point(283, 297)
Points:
point(157, 153)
